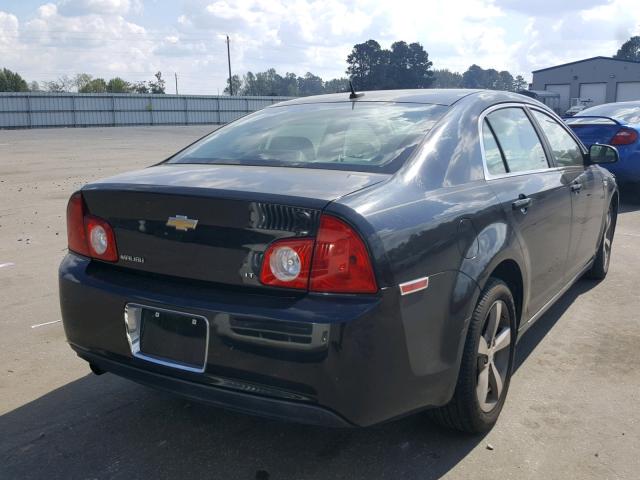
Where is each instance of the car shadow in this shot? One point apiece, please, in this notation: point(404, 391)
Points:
point(534, 335)
point(108, 427)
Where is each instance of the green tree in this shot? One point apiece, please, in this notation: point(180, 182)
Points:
point(474, 77)
point(310, 84)
point(81, 80)
point(289, 85)
point(263, 83)
point(630, 50)
point(140, 87)
point(409, 67)
point(404, 66)
point(367, 65)
point(336, 85)
point(519, 83)
point(236, 82)
point(477, 77)
point(159, 85)
point(61, 85)
point(95, 85)
point(446, 79)
point(12, 82)
point(118, 85)
point(504, 81)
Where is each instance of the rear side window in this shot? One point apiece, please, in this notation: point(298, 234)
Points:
point(518, 140)
point(566, 152)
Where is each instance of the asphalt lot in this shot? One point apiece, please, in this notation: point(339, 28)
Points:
point(572, 412)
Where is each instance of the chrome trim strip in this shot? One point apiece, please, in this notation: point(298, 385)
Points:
point(132, 322)
point(404, 285)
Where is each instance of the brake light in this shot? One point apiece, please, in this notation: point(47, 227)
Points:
point(76, 235)
point(341, 262)
point(337, 261)
point(286, 263)
point(625, 136)
point(89, 235)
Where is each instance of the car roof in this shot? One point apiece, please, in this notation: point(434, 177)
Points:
point(432, 96)
point(429, 96)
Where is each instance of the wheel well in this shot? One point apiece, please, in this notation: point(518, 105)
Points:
point(509, 272)
point(615, 202)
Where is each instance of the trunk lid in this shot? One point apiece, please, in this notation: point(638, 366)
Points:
point(594, 129)
point(214, 222)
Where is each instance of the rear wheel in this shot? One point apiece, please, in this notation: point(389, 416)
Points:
point(487, 363)
point(603, 255)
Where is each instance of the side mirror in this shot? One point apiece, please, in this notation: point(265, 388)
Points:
point(603, 154)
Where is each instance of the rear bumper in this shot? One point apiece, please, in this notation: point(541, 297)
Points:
point(219, 397)
point(383, 356)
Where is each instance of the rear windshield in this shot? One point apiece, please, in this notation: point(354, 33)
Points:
point(360, 136)
point(625, 112)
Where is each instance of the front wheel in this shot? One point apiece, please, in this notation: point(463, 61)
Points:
point(487, 363)
point(603, 255)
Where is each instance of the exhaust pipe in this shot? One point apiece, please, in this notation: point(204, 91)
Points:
point(95, 369)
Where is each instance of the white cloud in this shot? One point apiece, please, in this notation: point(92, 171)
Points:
point(114, 37)
point(98, 7)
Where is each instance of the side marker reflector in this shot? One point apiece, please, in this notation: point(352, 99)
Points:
point(414, 286)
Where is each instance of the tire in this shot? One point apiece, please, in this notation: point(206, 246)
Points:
point(603, 256)
point(478, 398)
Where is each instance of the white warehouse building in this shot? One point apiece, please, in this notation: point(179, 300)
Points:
point(591, 81)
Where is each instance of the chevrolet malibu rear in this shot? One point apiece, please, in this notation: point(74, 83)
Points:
point(338, 260)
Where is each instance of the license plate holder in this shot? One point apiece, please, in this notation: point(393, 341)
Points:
point(168, 337)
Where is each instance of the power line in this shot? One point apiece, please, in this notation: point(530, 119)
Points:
point(229, 61)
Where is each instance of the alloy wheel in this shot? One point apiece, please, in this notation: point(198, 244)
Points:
point(493, 356)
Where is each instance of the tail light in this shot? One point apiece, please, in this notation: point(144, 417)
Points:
point(625, 136)
point(340, 262)
point(76, 234)
point(89, 235)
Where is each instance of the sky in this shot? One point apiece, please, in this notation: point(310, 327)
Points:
point(135, 38)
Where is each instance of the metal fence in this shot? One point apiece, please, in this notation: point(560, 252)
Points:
point(40, 110)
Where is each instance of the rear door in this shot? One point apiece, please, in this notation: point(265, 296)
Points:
point(534, 196)
point(587, 190)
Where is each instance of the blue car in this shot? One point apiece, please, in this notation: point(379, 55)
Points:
point(615, 124)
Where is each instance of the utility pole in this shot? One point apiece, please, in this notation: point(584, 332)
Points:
point(229, 62)
point(176, 75)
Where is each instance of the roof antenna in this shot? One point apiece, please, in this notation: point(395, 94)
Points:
point(353, 92)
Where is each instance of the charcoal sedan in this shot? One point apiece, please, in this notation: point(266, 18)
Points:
point(343, 259)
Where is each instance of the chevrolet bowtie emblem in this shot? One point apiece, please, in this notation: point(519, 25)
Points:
point(182, 223)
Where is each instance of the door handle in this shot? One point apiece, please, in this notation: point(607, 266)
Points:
point(522, 203)
point(576, 187)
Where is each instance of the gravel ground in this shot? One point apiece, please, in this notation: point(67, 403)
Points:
point(572, 410)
